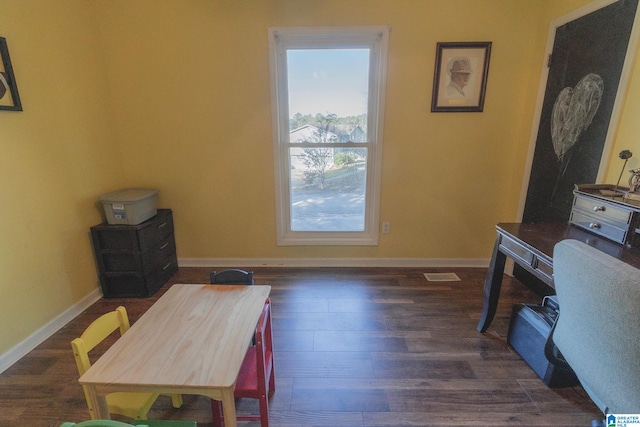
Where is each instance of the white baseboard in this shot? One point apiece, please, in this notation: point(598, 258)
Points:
point(333, 262)
point(35, 339)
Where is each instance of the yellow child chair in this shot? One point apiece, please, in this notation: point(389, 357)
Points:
point(132, 405)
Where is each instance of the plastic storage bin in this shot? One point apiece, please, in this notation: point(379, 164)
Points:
point(130, 206)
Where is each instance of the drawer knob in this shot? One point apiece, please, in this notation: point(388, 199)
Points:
point(594, 225)
point(164, 224)
point(599, 208)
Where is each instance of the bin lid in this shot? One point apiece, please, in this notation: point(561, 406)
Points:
point(128, 195)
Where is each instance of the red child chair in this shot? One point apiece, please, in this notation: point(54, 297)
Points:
point(256, 379)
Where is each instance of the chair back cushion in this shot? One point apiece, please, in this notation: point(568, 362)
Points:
point(598, 330)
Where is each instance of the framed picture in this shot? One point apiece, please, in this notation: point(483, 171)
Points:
point(9, 98)
point(460, 78)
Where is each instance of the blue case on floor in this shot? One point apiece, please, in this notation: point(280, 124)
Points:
point(528, 332)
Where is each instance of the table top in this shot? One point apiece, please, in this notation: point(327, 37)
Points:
point(542, 237)
point(194, 336)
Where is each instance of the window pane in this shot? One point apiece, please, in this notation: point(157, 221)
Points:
point(328, 93)
point(327, 189)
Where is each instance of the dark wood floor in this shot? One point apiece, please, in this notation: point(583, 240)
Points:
point(354, 347)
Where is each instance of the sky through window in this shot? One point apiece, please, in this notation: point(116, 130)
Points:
point(328, 81)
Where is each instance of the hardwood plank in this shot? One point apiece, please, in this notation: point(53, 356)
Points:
point(313, 419)
point(512, 399)
point(340, 400)
point(324, 364)
point(424, 368)
point(358, 341)
point(328, 322)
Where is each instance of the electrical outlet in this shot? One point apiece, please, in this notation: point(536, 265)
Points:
point(386, 227)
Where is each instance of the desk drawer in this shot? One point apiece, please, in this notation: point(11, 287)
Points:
point(544, 268)
point(517, 250)
point(527, 259)
point(603, 211)
point(598, 226)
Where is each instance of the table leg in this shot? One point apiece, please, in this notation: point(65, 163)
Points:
point(492, 284)
point(229, 408)
point(99, 403)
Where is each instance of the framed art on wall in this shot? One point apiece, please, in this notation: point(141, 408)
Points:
point(460, 77)
point(9, 98)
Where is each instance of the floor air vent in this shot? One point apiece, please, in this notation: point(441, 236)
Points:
point(442, 277)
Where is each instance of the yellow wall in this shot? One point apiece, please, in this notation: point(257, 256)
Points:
point(627, 132)
point(175, 95)
point(56, 156)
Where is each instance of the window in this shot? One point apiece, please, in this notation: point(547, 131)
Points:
point(328, 103)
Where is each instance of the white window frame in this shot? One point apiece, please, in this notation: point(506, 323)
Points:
point(282, 38)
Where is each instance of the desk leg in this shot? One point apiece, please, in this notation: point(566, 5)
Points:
point(229, 408)
point(492, 284)
point(99, 403)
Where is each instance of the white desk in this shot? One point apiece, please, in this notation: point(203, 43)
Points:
point(191, 341)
